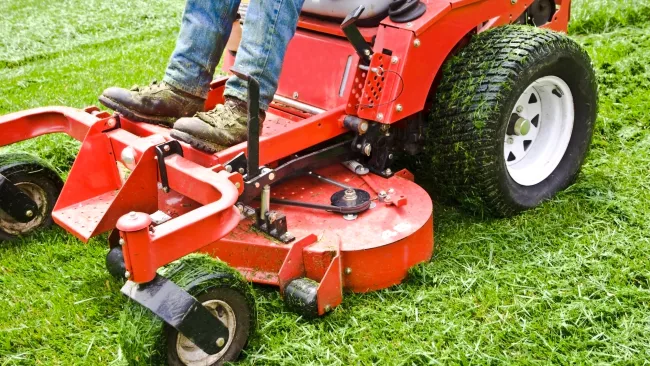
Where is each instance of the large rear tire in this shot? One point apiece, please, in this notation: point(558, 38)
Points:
point(512, 120)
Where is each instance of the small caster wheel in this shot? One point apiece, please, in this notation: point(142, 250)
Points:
point(40, 182)
point(228, 297)
point(300, 295)
point(115, 263)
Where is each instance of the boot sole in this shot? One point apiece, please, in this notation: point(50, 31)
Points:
point(209, 147)
point(135, 116)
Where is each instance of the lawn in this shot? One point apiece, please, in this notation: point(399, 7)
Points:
point(566, 283)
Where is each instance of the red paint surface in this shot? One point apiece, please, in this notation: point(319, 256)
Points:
point(372, 252)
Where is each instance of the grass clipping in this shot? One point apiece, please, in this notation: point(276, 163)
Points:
point(141, 337)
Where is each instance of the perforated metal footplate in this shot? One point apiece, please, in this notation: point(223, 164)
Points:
point(82, 219)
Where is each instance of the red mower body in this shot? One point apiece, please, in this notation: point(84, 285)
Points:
point(321, 84)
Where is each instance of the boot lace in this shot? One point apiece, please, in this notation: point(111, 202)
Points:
point(153, 87)
point(223, 115)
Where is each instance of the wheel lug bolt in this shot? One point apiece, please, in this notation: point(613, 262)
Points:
point(520, 109)
point(510, 140)
point(221, 342)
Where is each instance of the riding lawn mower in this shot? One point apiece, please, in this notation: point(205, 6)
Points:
point(487, 102)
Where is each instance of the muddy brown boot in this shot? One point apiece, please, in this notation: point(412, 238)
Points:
point(157, 103)
point(224, 126)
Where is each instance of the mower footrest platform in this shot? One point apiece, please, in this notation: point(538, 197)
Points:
point(83, 218)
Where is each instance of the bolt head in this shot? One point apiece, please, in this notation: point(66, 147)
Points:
point(348, 270)
point(391, 191)
point(390, 156)
point(510, 140)
point(409, 24)
point(380, 116)
point(111, 122)
point(295, 95)
point(520, 109)
point(382, 194)
point(366, 52)
point(363, 127)
point(328, 308)
point(367, 149)
point(522, 127)
point(221, 342)
point(394, 60)
point(241, 170)
point(513, 2)
point(237, 185)
point(229, 168)
point(127, 274)
point(128, 157)
point(257, 184)
point(399, 108)
point(29, 213)
point(350, 217)
point(416, 43)
point(121, 242)
point(271, 176)
point(388, 171)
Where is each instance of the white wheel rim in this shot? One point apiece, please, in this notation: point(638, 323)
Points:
point(546, 108)
point(190, 354)
point(38, 195)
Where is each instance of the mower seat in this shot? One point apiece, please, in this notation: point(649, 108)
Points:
point(341, 8)
point(376, 10)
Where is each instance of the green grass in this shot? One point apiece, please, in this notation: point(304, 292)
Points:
point(565, 283)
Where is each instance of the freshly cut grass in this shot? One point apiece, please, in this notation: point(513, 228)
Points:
point(567, 283)
point(608, 15)
point(35, 29)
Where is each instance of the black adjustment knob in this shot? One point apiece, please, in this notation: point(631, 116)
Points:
point(402, 11)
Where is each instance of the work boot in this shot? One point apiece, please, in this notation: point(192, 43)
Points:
point(224, 126)
point(157, 103)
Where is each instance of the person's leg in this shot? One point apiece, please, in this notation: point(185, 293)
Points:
point(204, 32)
point(205, 29)
point(268, 27)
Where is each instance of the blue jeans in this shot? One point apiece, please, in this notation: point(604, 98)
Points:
point(205, 28)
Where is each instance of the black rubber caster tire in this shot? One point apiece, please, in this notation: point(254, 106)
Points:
point(301, 296)
point(230, 294)
point(40, 182)
point(472, 113)
point(115, 263)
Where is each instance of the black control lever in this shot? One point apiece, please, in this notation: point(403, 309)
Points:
point(352, 33)
point(253, 145)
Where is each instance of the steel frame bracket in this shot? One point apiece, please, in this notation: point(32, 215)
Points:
point(354, 36)
point(274, 223)
point(180, 310)
point(238, 164)
point(162, 151)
